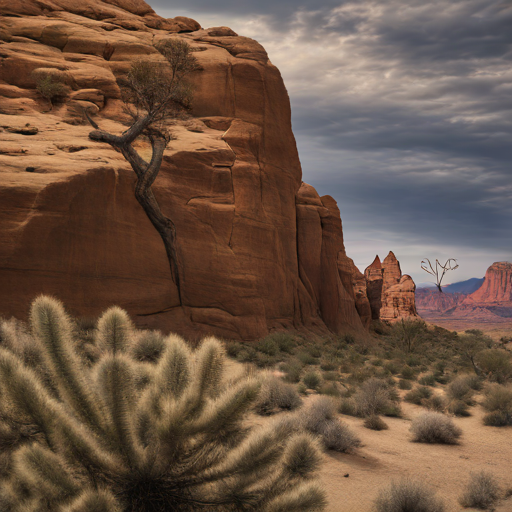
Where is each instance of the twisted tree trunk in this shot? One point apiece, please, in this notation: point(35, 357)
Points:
point(146, 175)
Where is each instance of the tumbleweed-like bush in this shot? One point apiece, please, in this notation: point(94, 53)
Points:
point(482, 491)
point(408, 496)
point(125, 435)
point(435, 427)
point(276, 395)
point(498, 405)
point(319, 418)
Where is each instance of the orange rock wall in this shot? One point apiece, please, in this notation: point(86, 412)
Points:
point(258, 249)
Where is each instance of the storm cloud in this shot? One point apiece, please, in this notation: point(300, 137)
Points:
point(402, 111)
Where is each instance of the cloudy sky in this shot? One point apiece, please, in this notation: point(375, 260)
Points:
point(402, 111)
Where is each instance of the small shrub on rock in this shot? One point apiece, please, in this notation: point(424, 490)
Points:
point(482, 491)
point(320, 419)
point(498, 404)
point(434, 427)
point(276, 395)
point(50, 88)
point(408, 496)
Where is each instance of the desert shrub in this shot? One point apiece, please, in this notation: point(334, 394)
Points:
point(328, 366)
point(496, 364)
point(434, 427)
point(285, 341)
point(347, 406)
point(404, 384)
point(474, 382)
point(482, 491)
point(247, 355)
point(50, 87)
point(375, 422)
point(418, 395)
point(268, 346)
point(427, 380)
point(330, 375)
point(458, 408)
point(292, 369)
point(498, 404)
point(265, 360)
point(408, 496)
point(320, 419)
point(361, 374)
point(460, 389)
point(393, 367)
point(233, 348)
point(306, 358)
point(312, 380)
point(407, 335)
point(373, 398)
point(96, 442)
point(329, 389)
point(435, 403)
point(276, 395)
point(408, 373)
point(302, 389)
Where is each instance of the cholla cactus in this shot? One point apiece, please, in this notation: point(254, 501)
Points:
point(123, 434)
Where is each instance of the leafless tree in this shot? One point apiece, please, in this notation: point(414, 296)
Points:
point(438, 268)
point(155, 93)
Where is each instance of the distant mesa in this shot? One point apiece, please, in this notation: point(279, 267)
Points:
point(488, 299)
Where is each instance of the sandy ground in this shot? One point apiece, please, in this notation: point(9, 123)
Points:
point(389, 454)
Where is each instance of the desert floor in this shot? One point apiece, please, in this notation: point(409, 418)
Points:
point(389, 454)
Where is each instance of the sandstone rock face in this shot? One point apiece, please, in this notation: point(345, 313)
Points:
point(391, 295)
point(496, 288)
point(373, 275)
point(433, 300)
point(258, 249)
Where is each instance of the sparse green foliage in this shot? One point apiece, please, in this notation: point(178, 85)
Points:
point(434, 427)
point(50, 88)
point(88, 437)
point(312, 380)
point(498, 404)
point(408, 496)
point(482, 491)
point(496, 365)
point(461, 388)
point(418, 394)
point(407, 334)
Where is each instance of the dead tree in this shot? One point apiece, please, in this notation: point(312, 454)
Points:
point(435, 272)
point(154, 94)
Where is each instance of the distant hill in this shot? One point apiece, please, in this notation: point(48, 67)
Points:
point(468, 286)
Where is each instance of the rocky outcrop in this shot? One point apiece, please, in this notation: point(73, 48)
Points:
point(258, 249)
point(391, 295)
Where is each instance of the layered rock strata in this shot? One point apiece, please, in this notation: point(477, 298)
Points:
point(258, 249)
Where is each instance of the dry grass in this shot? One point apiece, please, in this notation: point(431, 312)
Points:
point(408, 496)
point(434, 427)
point(482, 491)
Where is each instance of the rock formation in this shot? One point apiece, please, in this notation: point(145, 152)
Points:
point(431, 300)
point(496, 290)
point(391, 295)
point(259, 250)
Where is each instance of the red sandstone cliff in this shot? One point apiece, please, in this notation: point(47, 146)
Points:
point(496, 288)
point(259, 250)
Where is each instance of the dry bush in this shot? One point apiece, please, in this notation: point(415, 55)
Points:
point(482, 491)
point(312, 380)
point(374, 397)
point(496, 364)
point(498, 404)
point(418, 395)
point(458, 408)
point(320, 419)
point(435, 403)
point(276, 395)
point(408, 496)
point(428, 380)
point(50, 87)
point(434, 427)
point(375, 423)
point(292, 369)
point(405, 384)
point(461, 388)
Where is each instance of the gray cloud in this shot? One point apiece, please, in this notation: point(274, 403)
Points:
point(402, 111)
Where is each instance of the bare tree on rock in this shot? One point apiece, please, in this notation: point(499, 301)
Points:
point(154, 94)
point(440, 270)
